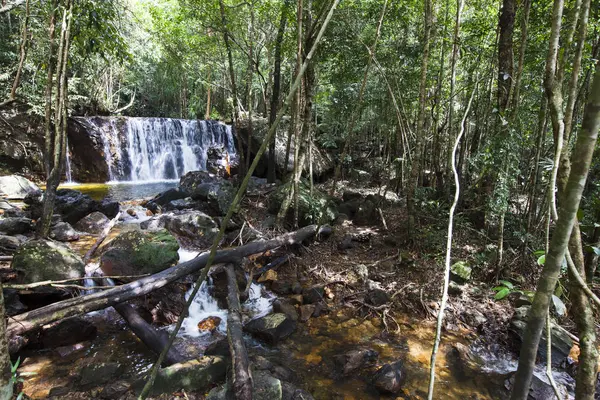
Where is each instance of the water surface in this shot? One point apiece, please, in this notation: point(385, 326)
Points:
point(122, 191)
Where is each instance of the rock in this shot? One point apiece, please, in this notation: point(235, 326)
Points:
point(270, 275)
point(170, 195)
point(202, 185)
point(307, 311)
point(313, 295)
point(15, 187)
point(12, 302)
point(195, 227)
point(114, 390)
point(282, 287)
point(74, 205)
point(181, 204)
point(354, 360)
point(523, 300)
point(474, 318)
point(285, 307)
point(67, 332)
point(264, 387)
point(8, 244)
point(291, 392)
point(377, 297)
point(96, 374)
point(109, 208)
point(389, 378)
point(65, 351)
point(360, 176)
point(318, 209)
point(137, 252)
point(454, 289)
point(64, 232)
point(132, 212)
point(295, 299)
point(190, 182)
point(218, 348)
point(15, 225)
point(271, 328)
point(320, 308)
point(219, 288)
point(561, 342)
point(40, 260)
point(209, 324)
point(92, 223)
point(193, 375)
point(460, 272)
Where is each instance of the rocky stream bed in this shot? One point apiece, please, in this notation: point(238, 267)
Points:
point(343, 317)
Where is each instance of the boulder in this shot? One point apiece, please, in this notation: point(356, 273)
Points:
point(377, 297)
point(313, 294)
point(64, 232)
point(170, 195)
point(109, 208)
point(460, 272)
point(191, 183)
point(264, 387)
point(318, 209)
point(271, 328)
point(389, 378)
point(15, 187)
point(361, 176)
point(354, 360)
point(194, 227)
point(40, 260)
point(194, 375)
point(92, 223)
point(219, 195)
point(307, 311)
point(67, 332)
point(285, 307)
point(15, 225)
point(73, 205)
point(8, 244)
point(561, 341)
point(137, 252)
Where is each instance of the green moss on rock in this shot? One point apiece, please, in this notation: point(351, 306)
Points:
point(40, 260)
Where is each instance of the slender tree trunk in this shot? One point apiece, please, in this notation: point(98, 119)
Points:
point(272, 163)
point(23, 51)
point(233, 86)
point(517, 86)
point(249, 82)
point(60, 123)
point(48, 147)
point(298, 126)
point(582, 156)
point(416, 161)
point(208, 95)
point(6, 386)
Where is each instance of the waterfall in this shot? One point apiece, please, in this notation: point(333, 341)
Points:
point(154, 149)
point(68, 170)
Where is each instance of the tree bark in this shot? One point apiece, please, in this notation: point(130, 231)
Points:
point(242, 377)
point(272, 164)
point(6, 386)
point(420, 134)
point(151, 337)
point(23, 52)
point(97, 301)
point(582, 156)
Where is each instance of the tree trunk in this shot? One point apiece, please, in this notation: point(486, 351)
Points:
point(23, 52)
point(272, 164)
point(97, 301)
point(6, 385)
point(522, 49)
point(207, 112)
point(582, 156)
point(242, 377)
point(420, 134)
point(48, 148)
point(505, 53)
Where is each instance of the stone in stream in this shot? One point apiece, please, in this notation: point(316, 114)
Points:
point(15, 225)
point(271, 328)
point(96, 374)
point(307, 311)
point(390, 378)
point(377, 297)
point(9, 244)
point(194, 375)
point(264, 387)
point(209, 324)
point(137, 252)
point(41, 260)
point(15, 187)
point(284, 306)
point(92, 223)
point(313, 294)
point(202, 185)
point(64, 232)
point(354, 360)
point(170, 195)
point(193, 226)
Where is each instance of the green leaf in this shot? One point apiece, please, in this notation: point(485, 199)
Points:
point(507, 284)
point(502, 294)
point(541, 260)
point(580, 214)
point(538, 253)
point(498, 288)
point(559, 306)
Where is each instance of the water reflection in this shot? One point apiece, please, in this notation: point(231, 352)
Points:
point(122, 191)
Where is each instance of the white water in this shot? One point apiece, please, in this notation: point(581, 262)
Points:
point(204, 305)
point(68, 172)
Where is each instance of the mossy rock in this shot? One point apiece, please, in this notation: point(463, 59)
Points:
point(316, 209)
point(136, 252)
point(460, 272)
point(40, 260)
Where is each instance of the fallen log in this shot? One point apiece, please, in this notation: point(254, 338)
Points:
point(25, 322)
point(155, 340)
point(242, 378)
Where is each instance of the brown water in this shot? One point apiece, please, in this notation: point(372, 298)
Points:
point(122, 191)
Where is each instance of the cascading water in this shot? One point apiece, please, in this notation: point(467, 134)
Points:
point(161, 148)
point(155, 149)
point(68, 170)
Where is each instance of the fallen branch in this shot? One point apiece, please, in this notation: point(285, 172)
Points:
point(80, 305)
point(151, 337)
point(103, 236)
point(242, 378)
point(26, 286)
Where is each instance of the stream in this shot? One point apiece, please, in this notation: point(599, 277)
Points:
point(306, 357)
